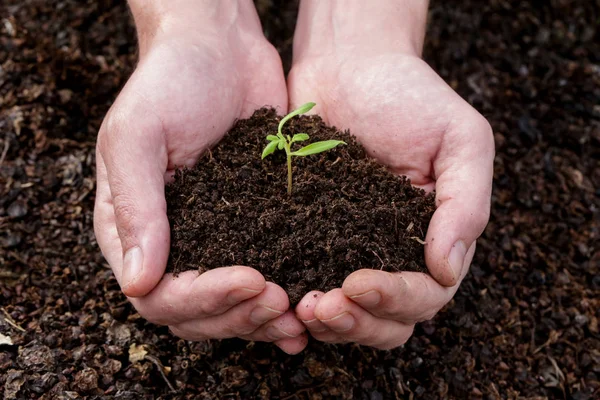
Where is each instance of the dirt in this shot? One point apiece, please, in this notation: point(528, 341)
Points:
point(345, 212)
point(524, 324)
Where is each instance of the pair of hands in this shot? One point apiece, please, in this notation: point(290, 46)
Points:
point(184, 95)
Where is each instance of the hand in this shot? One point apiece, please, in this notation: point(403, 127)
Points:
point(192, 82)
point(410, 120)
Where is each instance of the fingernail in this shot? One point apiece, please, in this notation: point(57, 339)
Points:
point(241, 294)
point(342, 323)
point(456, 258)
point(133, 262)
point(368, 299)
point(275, 333)
point(314, 325)
point(262, 314)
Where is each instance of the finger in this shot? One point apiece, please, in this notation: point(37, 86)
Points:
point(241, 320)
point(464, 171)
point(285, 326)
point(407, 297)
point(305, 311)
point(353, 323)
point(132, 145)
point(197, 296)
point(294, 345)
point(105, 227)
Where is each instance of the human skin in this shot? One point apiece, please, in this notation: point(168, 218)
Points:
point(202, 65)
point(362, 66)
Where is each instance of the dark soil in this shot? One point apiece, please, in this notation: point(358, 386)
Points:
point(524, 324)
point(345, 213)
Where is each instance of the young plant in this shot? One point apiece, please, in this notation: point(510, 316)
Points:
point(281, 142)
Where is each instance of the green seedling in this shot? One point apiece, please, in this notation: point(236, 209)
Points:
point(281, 142)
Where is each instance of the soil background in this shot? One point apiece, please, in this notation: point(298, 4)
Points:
point(523, 325)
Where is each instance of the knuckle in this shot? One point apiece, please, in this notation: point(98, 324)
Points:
point(245, 330)
point(162, 315)
point(233, 329)
point(186, 335)
point(487, 132)
point(204, 307)
point(110, 130)
point(484, 125)
point(397, 340)
point(326, 337)
point(367, 334)
point(479, 217)
point(125, 210)
point(429, 314)
point(153, 318)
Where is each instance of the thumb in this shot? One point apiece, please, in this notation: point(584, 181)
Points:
point(132, 145)
point(464, 171)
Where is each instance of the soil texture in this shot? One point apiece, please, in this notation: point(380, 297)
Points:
point(346, 212)
point(523, 325)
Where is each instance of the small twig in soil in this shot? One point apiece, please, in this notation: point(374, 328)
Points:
point(305, 390)
point(380, 260)
point(418, 240)
point(5, 151)
point(8, 274)
point(395, 221)
point(160, 367)
point(11, 321)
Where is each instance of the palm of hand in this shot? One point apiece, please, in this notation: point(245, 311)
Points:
point(175, 106)
point(182, 98)
point(197, 93)
point(398, 107)
point(410, 120)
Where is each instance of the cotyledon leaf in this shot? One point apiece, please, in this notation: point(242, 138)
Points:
point(304, 108)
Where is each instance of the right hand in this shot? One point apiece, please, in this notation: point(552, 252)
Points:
point(191, 84)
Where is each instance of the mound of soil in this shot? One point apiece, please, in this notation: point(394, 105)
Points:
point(346, 212)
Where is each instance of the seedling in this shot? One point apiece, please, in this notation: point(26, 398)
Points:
point(280, 142)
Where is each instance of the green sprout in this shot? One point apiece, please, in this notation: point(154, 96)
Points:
point(281, 142)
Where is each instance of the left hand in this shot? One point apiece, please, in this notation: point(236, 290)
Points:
point(409, 119)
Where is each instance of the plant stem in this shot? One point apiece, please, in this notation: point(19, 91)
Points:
point(289, 165)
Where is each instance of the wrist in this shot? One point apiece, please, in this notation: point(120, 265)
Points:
point(359, 27)
point(191, 19)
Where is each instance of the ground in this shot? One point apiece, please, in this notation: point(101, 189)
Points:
point(523, 325)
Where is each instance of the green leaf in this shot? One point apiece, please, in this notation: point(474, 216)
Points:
point(317, 147)
point(289, 139)
point(300, 137)
point(271, 147)
point(303, 109)
point(281, 144)
point(270, 138)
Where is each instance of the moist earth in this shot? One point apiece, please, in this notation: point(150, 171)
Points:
point(345, 213)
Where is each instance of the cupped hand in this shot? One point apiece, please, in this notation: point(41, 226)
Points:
point(409, 119)
point(189, 87)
